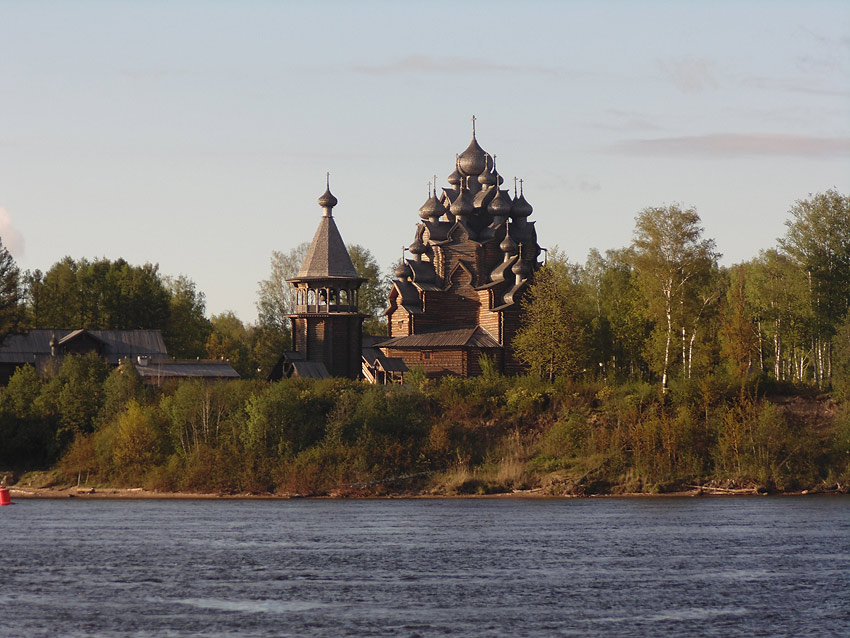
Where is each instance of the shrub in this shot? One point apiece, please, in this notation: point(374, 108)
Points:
point(137, 442)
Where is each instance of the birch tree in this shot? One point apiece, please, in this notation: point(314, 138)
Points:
point(671, 259)
point(276, 297)
point(818, 240)
point(779, 298)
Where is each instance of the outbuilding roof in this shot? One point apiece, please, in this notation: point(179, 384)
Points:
point(198, 369)
point(117, 344)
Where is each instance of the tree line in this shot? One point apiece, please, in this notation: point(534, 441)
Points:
point(649, 369)
point(663, 309)
point(115, 295)
point(660, 309)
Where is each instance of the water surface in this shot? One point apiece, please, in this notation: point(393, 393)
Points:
point(474, 567)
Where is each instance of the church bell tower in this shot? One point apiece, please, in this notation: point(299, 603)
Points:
point(326, 324)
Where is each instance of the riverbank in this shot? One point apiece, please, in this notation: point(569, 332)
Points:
point(143, 494)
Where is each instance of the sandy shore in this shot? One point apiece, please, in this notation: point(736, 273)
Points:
point(109, 492)
point(139, 493)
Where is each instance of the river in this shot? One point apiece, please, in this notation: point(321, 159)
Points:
point(756, 566)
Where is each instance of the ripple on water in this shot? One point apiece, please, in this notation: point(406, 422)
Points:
point(689, 567)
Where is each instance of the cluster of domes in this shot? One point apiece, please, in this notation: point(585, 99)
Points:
point(486, 214)
point(475, 192)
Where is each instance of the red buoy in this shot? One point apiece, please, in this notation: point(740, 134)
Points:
point(5, 499)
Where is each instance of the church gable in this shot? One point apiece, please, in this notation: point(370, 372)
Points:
point(460, 279)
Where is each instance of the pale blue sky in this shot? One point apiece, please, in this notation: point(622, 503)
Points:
point(196, 135)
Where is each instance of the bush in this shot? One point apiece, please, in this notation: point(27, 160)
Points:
point(756, 443)
point(137, 443)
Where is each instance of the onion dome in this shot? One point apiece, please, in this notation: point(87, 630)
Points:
point(417, 247)
point(520, 268)
point(455, 178)
point(463, 205)
point(404, 271)
point(432, 209)
point(473, 160)
point(501, 204)
point(508, 245)
point(520, 207)
point(488, 178)
point(328, 200)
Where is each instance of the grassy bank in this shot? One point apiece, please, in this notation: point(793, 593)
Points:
point(488, 435)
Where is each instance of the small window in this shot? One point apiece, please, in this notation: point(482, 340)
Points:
point(426, 355)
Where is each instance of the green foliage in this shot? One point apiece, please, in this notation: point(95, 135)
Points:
point(841, 360)
point(267, 343)
point(26, 433)
point(482, 435)
point(373, 292)
point(201, 414)
point(119, 388)
point(11, 310)
point(818, 239)
point(288, 416)
point(98, 294)
point(137, 443)
point(674, 265)
point(778, 298)
point(551, 339)
point(738, 334)
point(187, 329)
point(275, 296)
point(757, 443)
point(231, 341)
point(73, 398)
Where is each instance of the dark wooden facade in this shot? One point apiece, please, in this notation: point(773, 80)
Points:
point(473, 256)
point(326, 325)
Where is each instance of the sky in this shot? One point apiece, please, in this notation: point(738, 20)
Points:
point(197, 135)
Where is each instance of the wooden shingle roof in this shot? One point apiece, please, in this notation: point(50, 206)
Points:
point(473, 337)
point(198, 369)
point(35, 345)
point(327, 257)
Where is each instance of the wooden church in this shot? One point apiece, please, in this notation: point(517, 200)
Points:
point(474, 253)
point(455, 300)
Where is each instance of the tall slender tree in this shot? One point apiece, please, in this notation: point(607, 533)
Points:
point(672, 259)
point(818, 239)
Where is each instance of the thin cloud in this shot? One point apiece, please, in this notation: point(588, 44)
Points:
point(581, 183)
point(449, 65)
point(12, 239)
point(724, 145)
point(690, 75)
point(626, 120)
point(154, 74)
point(794, 85)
